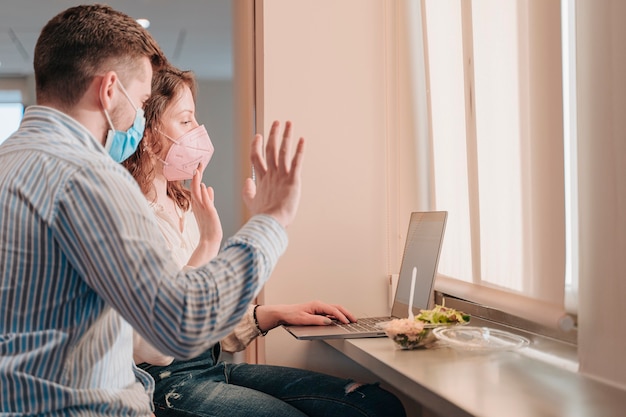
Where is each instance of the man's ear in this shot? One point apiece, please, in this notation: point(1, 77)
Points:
point(107, 89)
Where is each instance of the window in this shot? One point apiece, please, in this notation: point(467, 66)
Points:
point(10, 116)
point(497, 129)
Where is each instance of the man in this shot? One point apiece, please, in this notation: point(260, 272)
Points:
point(81, 258)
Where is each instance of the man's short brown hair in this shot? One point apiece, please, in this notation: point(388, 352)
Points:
point(84, 41)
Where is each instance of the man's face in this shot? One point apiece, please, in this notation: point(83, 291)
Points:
point(138, 89)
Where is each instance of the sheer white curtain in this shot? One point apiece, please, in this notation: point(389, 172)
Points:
point(570, 143)
point(11, 115)
point(494, 74)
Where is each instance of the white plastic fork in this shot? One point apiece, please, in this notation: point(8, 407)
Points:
point(412, 293)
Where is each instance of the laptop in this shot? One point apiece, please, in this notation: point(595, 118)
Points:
point(421, 251)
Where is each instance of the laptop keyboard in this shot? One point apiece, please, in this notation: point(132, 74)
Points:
point(366, 324)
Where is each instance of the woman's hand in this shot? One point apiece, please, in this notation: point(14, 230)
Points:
point(311, 313)
point(202, 204)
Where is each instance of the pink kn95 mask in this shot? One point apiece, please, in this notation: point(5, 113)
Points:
point(186, 153)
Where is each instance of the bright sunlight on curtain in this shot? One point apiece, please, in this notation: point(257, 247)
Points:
point(496, 104)
point(11, 115)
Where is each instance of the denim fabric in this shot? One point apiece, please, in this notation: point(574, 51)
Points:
point(206, 387)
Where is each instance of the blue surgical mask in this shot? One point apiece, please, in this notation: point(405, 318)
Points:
point(120, 144)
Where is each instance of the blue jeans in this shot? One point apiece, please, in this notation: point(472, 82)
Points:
point(203, 386)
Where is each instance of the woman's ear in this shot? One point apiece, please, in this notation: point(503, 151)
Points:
point(147, 143)
point(147, 139)
point(107, 89)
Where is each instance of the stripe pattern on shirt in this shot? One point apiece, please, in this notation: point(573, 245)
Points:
point(81, 261)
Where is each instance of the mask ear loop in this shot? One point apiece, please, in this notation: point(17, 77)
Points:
point(106, 113)
point(167, 136)
point(158, 158)
point(126, 94)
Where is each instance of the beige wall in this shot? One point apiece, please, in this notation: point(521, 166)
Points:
point(335, 96)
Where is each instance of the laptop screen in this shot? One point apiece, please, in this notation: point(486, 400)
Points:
point(421, 250)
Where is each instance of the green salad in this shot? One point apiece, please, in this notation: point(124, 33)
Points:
point(442, 315)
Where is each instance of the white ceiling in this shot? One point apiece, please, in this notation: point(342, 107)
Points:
point(194, 34)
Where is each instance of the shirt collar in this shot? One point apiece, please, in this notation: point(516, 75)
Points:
point(36, 116)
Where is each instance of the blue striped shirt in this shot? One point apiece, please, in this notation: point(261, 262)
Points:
point(82, 260)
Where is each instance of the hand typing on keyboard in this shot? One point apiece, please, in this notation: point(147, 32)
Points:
point(311, 313)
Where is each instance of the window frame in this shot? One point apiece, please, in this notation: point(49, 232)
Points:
point(558, 320)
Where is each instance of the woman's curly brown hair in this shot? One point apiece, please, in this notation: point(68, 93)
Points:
point(167, 85)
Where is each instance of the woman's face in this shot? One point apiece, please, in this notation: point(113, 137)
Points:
point(179, 117)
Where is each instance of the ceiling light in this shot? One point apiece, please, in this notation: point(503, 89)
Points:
point(145, 23)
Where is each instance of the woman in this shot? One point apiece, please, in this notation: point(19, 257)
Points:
point(176, 148)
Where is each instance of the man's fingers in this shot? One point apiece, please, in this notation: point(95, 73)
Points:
point(271, 148)
point(277, 172)
point(248, 193)
point(276, 155)
point(285, 149)
point(296, 162)
point(287, 131)
point(256, 156)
